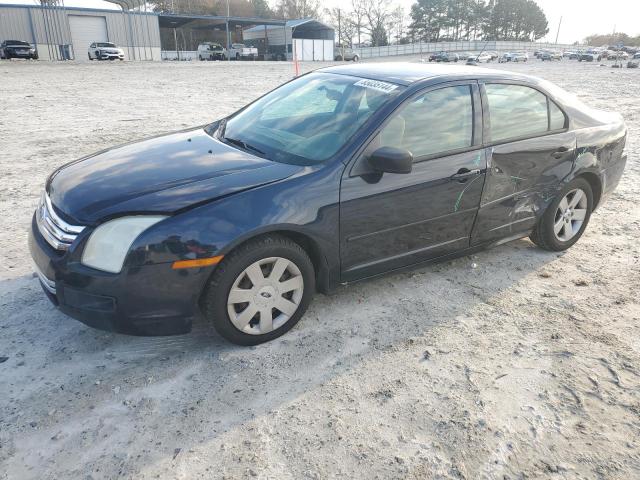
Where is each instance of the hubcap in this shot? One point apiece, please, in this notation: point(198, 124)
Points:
point(265, 295)
point(570, 215)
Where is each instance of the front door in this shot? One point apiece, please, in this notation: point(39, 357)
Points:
point(388, 221)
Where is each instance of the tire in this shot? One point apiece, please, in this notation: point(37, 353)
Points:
point(231, 274)
point(544, 235)
point(356, 58)
point(237, 57)
point(89, 55)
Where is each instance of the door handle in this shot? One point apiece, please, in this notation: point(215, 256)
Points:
point(560, 152)
point(465, 173)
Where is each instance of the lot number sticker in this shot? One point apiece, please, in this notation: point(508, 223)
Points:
point(376, 85)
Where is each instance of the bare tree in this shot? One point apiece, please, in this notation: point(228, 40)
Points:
point(397, 23)
point(298, 8)
point(376, 16)
point(358, 8)
point(341, 20)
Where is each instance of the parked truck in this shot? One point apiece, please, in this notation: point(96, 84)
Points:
point(239, 51)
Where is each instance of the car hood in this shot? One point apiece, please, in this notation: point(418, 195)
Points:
point(163, 174)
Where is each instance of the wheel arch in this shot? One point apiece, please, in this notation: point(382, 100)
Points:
point(308, 244)
point(596, 186)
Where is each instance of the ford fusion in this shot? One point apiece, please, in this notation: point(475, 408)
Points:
point(339, 175)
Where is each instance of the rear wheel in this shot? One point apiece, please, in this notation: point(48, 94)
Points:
point(260, 290)
point(566, 219)
point(356, 58)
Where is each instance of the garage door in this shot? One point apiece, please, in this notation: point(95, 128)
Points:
point(84, 31)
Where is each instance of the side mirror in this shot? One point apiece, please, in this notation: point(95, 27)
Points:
point(391, 160)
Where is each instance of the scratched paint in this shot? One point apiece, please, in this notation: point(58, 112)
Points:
point(456, 207)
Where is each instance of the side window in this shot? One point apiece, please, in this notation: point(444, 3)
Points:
point(438, 121)
point(93, 45)
point(516, 111)
point(556, 117)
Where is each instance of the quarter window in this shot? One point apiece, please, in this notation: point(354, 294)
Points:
point(435, 122)
point(556, 117)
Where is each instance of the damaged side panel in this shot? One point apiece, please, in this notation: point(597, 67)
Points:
point(522, 178)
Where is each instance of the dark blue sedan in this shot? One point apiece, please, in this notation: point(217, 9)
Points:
point(339, 175)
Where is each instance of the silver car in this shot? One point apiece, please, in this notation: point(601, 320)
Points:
point(345, 53)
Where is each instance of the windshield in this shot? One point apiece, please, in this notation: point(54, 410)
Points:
point(308, 120)
point(17, 42)
point(106, 45)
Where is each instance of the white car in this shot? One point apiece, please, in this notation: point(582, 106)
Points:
point(105, 51)
point(211, 51)
point(239, 51)
point(483, 57)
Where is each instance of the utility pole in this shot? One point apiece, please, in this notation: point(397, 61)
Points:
point(228, 34)
point(339, 28)
point(340, 34)
point(558, 34)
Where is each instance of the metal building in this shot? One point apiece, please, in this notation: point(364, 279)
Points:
point(306, 38)
point(65, 33)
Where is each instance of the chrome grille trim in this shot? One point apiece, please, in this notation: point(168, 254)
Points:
point(50, 285)
point(58, 233)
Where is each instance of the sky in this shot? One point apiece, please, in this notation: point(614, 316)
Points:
point(580, 18)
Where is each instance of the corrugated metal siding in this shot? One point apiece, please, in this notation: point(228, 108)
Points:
point(50, 24)
point(14, 24)
point(137, 33)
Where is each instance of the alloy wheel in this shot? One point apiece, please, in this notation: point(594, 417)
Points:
point(570, 215)
point(265, 295)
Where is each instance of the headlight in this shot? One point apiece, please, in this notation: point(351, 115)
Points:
point(108, 245)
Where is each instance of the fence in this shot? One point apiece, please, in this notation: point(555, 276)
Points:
point(462, 46)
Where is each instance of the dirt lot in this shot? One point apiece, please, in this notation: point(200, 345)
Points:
point(513, 363)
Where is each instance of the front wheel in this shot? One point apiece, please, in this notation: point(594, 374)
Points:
point(566, 218)
point(260, 290)
point(356, 58)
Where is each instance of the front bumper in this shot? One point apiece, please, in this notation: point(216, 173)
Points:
point(145, 300)
point(17, 54)
point(111, 56)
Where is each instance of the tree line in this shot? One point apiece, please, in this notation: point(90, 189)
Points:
point(612, 40)
point(439, 20)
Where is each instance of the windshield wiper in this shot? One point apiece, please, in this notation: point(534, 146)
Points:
point(243, 144)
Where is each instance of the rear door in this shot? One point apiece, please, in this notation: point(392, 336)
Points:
point(390, 220)
point(529, 151)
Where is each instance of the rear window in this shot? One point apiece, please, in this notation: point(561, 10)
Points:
point(517, 111)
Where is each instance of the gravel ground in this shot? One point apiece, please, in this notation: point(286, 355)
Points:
point(513, 363)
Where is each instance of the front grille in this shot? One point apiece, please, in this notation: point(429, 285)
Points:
point(58, 233)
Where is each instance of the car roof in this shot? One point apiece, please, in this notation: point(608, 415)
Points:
point(407, 73)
